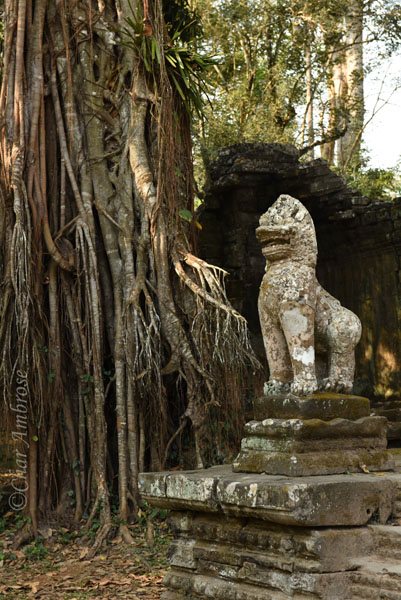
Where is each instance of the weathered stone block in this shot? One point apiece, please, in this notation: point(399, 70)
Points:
point(297, 587)
point(315, 429)
point(297, 447)
point(246, 559)
point(302, 464)
point(335, 500)
point(315, 406)
point(233, 541)
point(237, 552)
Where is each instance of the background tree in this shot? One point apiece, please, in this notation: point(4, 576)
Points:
point(124, 338)
point(294, 72)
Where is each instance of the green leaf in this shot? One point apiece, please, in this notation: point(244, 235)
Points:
point(158, 53)
point(178, 32)
point(180, 63)
point(170, 59)
point(184, 77)
point(177, 85)
point(185, 214)
point(35, 438)
point(144, 56)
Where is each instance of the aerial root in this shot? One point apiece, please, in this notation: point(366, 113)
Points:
point(100, 537)
point(126, 534)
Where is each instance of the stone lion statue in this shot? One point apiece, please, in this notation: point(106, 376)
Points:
point(297, 315)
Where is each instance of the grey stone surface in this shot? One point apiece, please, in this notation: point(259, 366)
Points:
point(230, 546)
point(267, 585)
point(239, 558)
point(297, 447)
point(315, 406)
point(213, 556)
point(291, 430)
point(296, 314)
point(232, 541)
point(375, 580)
point(305, 464)
point(335, 500)
point(307, 446)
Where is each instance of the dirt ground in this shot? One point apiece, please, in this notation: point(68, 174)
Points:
point(53, 567)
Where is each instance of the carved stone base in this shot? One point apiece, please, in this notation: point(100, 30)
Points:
point(314, 447)
point(321, 434)
point(244, 536)
point(246, 559)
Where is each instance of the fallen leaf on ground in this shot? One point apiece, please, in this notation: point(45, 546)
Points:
point(83, 553)
point(34, 586)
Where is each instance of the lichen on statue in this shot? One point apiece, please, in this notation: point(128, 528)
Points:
point(299, 319)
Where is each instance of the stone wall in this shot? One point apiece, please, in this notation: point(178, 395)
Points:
point(359, 249)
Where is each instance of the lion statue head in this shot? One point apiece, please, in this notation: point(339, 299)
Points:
point(286, 232)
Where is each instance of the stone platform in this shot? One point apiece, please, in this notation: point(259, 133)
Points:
point(299, 514)
point(266, 537)
point(324, 501)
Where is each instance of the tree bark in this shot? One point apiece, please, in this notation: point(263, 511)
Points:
point(104, 304)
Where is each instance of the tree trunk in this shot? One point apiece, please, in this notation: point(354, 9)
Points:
point(349, 85)
point(309, 99)
point(104, 304)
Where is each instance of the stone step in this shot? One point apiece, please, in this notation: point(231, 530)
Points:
point(238, 541)
point(359, 592)
point(299, 448)
point(376, 580)
point(193, 586)
point(397, 501)
point(387, 542)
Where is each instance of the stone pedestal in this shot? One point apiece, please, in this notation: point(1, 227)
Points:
point(321, 434)
point(305, 520)
point(244, 536)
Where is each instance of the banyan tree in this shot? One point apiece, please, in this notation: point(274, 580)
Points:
point(124, 338)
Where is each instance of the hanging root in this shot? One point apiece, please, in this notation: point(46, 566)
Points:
point(220, 331)
point(219, 336)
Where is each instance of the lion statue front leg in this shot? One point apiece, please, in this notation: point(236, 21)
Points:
point(277, 353)
point(297, 321)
